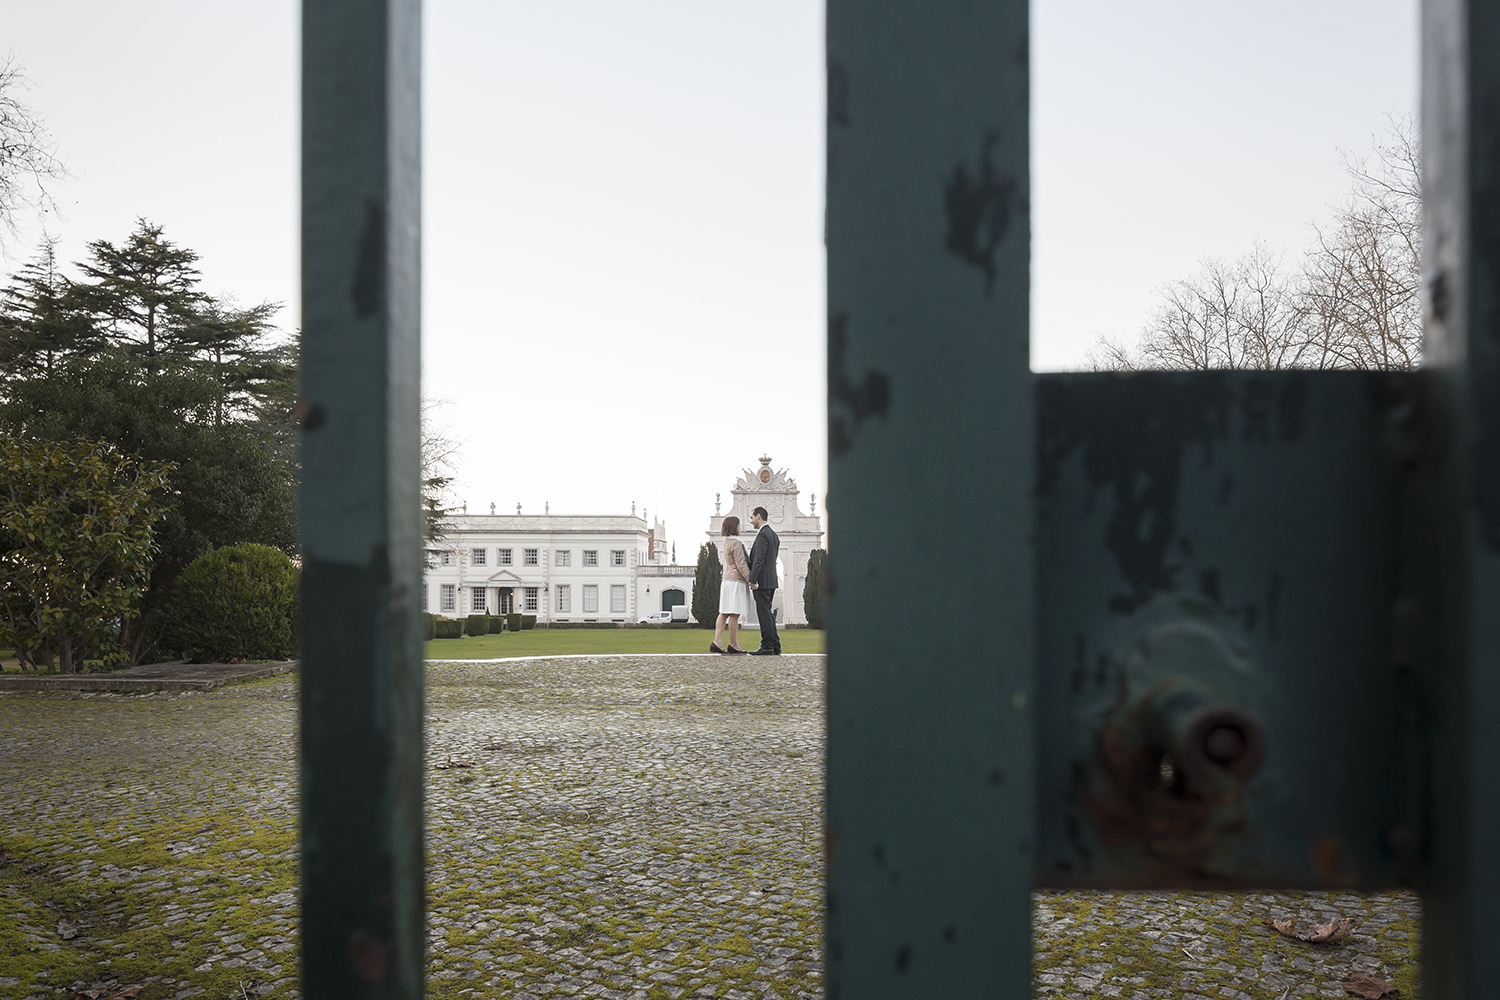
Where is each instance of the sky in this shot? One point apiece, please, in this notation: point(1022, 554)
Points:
point(622, 203)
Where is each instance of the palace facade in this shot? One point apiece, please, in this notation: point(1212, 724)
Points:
point(568, 568)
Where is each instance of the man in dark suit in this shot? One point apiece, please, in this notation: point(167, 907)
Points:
point(763, 582)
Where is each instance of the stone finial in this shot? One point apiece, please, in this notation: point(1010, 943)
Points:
point(492, 508)
point(546, 506)
point(632, 508)
point(518, 509)
point(716, 502)
point(814, 498)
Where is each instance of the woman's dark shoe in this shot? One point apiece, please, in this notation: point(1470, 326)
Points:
point(735, 650)
point(713, 647)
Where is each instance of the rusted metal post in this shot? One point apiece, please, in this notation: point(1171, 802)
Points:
point(361, 677)
point(1461, 494)
point(930, 812)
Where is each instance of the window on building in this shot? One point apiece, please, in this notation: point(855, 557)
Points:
point(502, 556)
point(529, 557)
point(617, 598)
point(445, 558)
point(564, 557)
point(617, 557)
point(590, 598)
point(476, 556)
point(477, 601)
point(531, 598)
point(591, 557)
point(564, 598)
point(424, 597)
point(446, 599)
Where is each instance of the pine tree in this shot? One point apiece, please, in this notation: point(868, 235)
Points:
point(706, 580)
point(815, 589)
point(145, 291)
point(40, 322)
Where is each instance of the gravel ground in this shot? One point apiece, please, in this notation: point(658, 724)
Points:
point(620, 827)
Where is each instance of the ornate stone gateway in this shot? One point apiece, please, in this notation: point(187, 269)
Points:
point(800, 533)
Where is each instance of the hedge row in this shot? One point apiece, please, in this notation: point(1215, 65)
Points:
point(439, 627)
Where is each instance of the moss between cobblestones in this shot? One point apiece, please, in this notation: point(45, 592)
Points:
point(123, 902)
point(1177, 944)
point(624, 825)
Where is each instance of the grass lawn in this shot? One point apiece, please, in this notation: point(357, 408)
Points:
point(563, 641)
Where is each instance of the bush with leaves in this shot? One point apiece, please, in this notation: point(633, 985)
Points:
point(77, 522)
point(238, 602)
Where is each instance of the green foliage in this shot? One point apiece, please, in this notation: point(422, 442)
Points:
point(448, 628)
point(76, 536)
point(145, 290)
point(229, 485)
point(135, 354)
point(513, 621)
point(477, 625)
point(40, 322)
point(497, 624)
point(528, 621)
point(429, 624)
point(815, 589)
point(707, 577)
point(238, 602)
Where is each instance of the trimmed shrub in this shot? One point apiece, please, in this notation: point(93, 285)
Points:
point(448, 628)
point(429, 624)
point(238, 602)
point(513, 621)
point(477, 625)
point(497, 624)
point(528, 621)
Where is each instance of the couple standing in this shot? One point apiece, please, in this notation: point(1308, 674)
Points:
point(746, 576)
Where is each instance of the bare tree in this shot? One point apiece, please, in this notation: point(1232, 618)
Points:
point(439, 457)
point(1362, 288)
point(1242, 314)
point(1110, 355)
point(28, 158)
point(1355, 302)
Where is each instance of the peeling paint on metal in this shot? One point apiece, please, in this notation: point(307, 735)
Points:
point(870, 397)
point(980, 206)
point(366, 289)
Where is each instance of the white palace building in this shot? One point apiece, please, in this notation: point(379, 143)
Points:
point(574, 568)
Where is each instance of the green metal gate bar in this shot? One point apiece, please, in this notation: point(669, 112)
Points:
point(1456, 538)
point(361, 677)
point(1233, 572)
point(930, 774)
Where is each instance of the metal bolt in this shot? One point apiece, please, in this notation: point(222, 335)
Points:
point(1224, 744)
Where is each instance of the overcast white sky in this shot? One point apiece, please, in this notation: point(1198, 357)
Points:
point(623, 202)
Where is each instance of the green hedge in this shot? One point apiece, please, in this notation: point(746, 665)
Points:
point(528, 621)
point(477, 625)
point(448, 628)
point(513, 621)
point(497, 624)
point(429, 626)
point(238, 602)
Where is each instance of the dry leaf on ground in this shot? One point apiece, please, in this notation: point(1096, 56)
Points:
point(1369, 987)
point(1334, 931)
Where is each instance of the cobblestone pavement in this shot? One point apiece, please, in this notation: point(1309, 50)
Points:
point(616, 827)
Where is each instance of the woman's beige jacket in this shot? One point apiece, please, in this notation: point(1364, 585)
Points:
point(736, 566)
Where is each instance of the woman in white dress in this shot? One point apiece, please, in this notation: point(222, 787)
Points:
point(734, 592)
